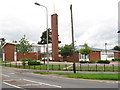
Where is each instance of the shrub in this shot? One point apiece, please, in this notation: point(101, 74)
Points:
point(23, 62)
point(44, 59)
point(83, 61)
point(115, 59)
point(33, 63)
point(91, 61)
point(103, 61)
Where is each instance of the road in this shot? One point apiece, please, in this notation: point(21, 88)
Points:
point(20, 79)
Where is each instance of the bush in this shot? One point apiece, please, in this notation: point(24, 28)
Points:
point(44, 59)
point(103, 61)
point(83, 61)
point(24, 62)
point(91, 61)
point(115, 59)
point(33, 63)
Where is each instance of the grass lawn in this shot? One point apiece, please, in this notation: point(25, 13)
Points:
point(100, 76)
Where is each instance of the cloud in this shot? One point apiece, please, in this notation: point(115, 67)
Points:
point(95, 21)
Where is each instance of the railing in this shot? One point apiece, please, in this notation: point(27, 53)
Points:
point(66, 67)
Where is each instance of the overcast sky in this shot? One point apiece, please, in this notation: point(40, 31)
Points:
point(95, 21)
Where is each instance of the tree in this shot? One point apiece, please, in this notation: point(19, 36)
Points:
point(14, 41)
point(23, 46)
point(85, 51)
point(2, 40)
point(116, 48)
point(66, 51)
point(44, 37)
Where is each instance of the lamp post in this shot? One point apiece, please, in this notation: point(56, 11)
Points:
point(106, 50)
point(74, 68)
point(46, 34)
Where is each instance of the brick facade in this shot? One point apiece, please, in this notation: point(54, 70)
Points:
point(117, 55)
point(9, 52)
point(54, 27)
point(94, 56)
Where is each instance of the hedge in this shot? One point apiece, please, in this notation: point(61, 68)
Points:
point(115, 59)
point(103, 61)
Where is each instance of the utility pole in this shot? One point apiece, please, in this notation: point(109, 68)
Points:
point(74, 68)
point(106, 50)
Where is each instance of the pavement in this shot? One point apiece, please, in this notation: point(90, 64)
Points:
point(23, 79)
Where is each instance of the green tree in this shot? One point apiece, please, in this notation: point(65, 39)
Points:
point(116, 48)
point(23, 46)
point(44, 37)
point(66, 51)
point(14, 41)
point(85, 51)
point(2, 41)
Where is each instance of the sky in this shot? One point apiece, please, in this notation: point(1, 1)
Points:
point(95, 21)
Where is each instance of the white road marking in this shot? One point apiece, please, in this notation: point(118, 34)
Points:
point(5, 75)
point(43, 83)
point(30, 85)
point(11, 85)
point(12, 73)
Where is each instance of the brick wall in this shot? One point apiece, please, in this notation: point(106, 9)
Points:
point(70, 58)
point(9, 52)
point(34, 56)
point(117, 55)
point(94, 56)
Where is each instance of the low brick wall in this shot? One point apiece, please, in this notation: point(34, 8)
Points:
point(34, 56)
point(70, 58)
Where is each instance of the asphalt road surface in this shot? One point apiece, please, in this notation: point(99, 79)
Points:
point(20, 79)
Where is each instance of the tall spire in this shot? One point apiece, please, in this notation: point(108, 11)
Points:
point(53, 6)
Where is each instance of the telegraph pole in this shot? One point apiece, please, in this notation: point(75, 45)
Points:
point(74, 68)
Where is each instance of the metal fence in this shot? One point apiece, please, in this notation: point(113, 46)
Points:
point(66, 67)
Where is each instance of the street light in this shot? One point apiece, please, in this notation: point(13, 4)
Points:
point(46, 34)
point(106, 50)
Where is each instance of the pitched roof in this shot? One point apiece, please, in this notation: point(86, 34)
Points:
point(8, 43)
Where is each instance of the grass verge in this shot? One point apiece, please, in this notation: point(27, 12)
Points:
point(98, 76)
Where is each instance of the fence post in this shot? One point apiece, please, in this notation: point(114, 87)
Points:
point(29, 66)
point(16, 64)
point(40, 67)
point(5, 63)
point(88, 67)
point(66, 67)
point(96, 67)
point(46, 66)
point(10, 63)
point(52, 66)
point(24, 66)
point(59, 66)
point(19, 65)
point(80, 66)
point(34, 66)
point(113, 67)
point(104, 67)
